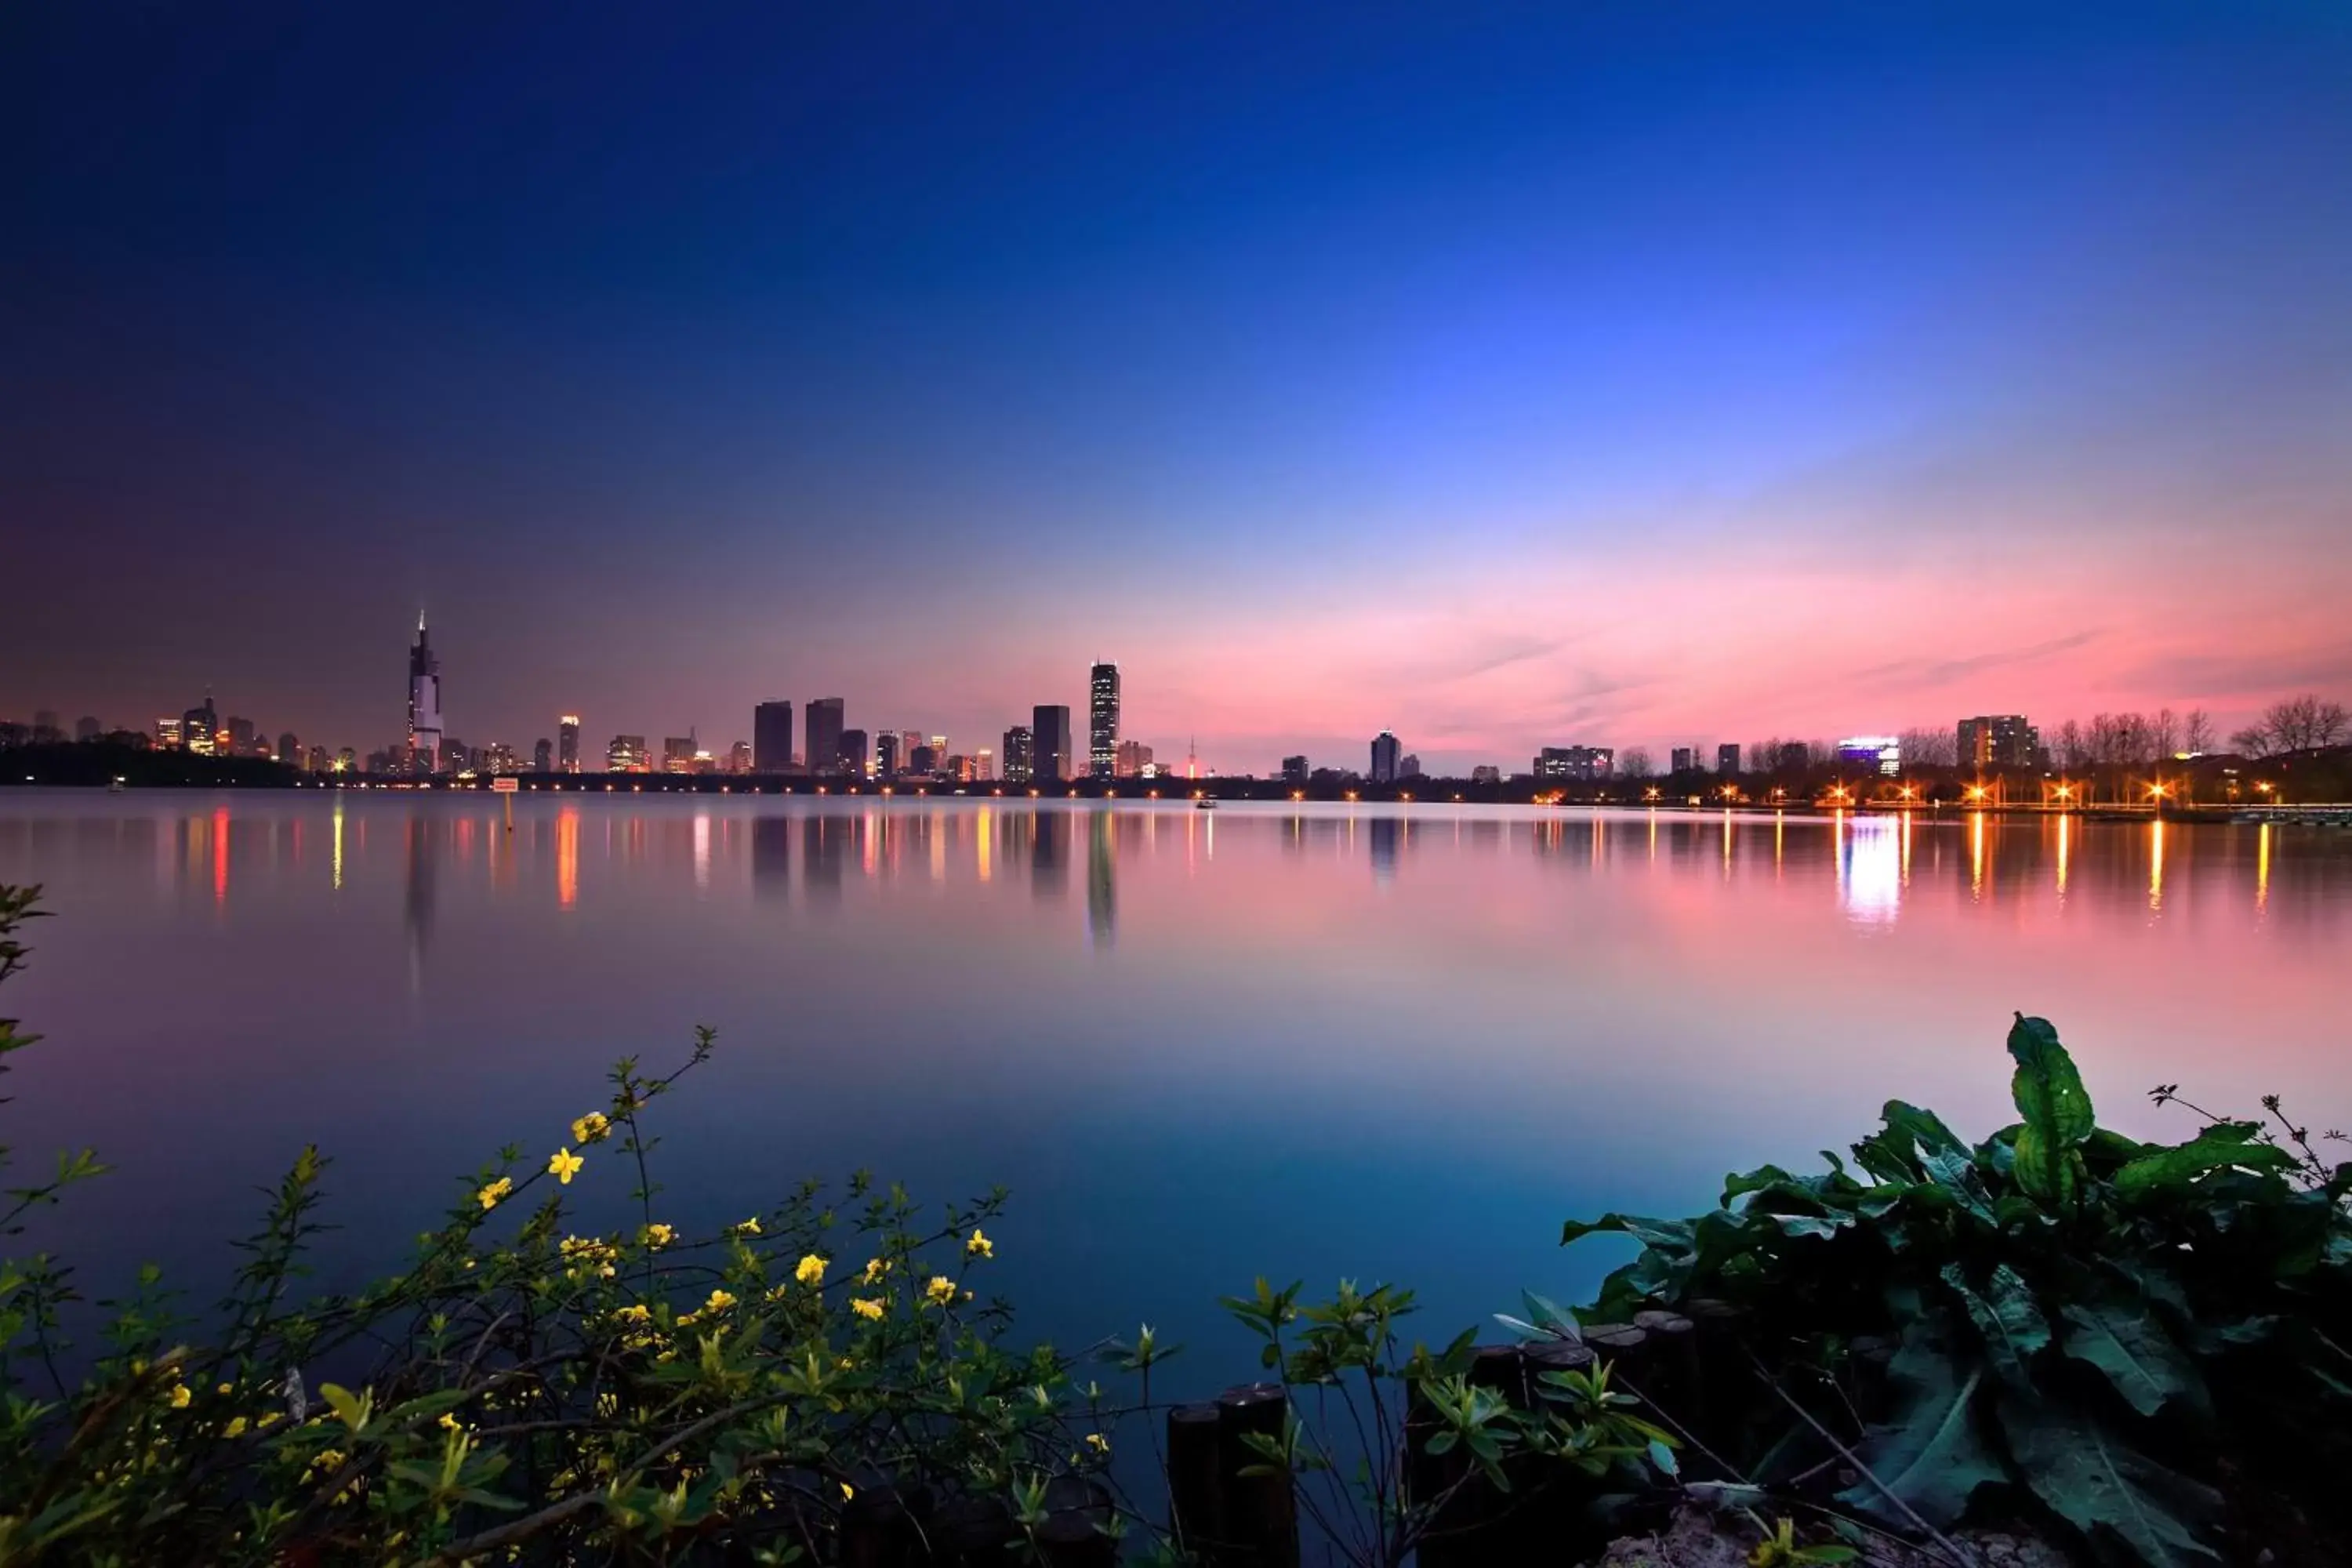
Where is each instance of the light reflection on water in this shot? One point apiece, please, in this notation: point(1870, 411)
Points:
point(1304, 1040)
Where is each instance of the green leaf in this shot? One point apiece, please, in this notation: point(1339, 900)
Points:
point(2057, 1111)
point(1664, 1458)
point(2125, 1340)
point(2224, 1144)
point(2096, 1482)
point(1930, 1455)
point(2004, 1313)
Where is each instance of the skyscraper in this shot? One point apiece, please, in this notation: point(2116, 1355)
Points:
point(199, 727)
point(984, 766)
point(1683, 760)
point(825, 735)
point(886, 754)
point(1020, 755)
point(1133, 759)
point(772, 737)
point(1385, 752)
point(1998, 741)
point(852, 752)
point(1102, 720)
point(1727, 759)
point(627, 754)
point(677, 754)
point(167, 731)
point(542, 756)
point(290, 750)
point(567, 743)
point(423, 704)
point(1049, 727)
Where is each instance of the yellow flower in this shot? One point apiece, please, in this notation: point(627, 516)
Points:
point(942, 1289)
point(1099, 1443)
point(494, 1192)
point(635, 1312)
point(979, 1246)
point(687, 1318)
point(811, 1270)
point(720, 1301)
point(658, 1236)
point(748, 1227)
point(328, 1460)
point(234, 1428)
point(564, 1165)
point(874, 1269)
point(449, 1421)
point(866, 1307)
point(591, 1128)
point(180, 1396)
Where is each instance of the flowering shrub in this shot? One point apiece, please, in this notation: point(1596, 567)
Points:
point(525, 1392)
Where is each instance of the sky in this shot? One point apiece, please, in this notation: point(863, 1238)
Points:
point(1622, 375)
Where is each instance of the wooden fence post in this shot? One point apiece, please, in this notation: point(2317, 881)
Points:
point(1258, 1515)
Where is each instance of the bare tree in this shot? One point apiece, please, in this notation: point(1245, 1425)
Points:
point(2164, 735)
point(2197, 733)
point(2252, 742)
point(2074, 750)
point(1925, 747)
point(2304, 724)
point(1635, 762)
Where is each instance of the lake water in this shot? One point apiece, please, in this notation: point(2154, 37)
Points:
point(1307, 1041)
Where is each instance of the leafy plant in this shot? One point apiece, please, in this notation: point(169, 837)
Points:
point(2114, 1329)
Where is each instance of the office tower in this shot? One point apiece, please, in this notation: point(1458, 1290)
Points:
point(1998, 741)
point(1020, 755)
point(677, 754)
point(497, 757)
point(167, 731)
point(1684, 758)
point(423, 704)
point(923, 761)
point(85, 728)
point(1102, 720)
point(1874, 754)
point(958, 768)
point(852, 752)
point(1133, 759)
point(1385, 751)
point(1294, 772)
point(567, 743)
point(542, 756)
point(1579, 764)
point(886, 755)
point(739, 757)
point(772, 737)
point(290, 750)
point(627, 754)
point(240, 736)
point(1726, 759)
point(908, 741)
point(984, 766)
point(199, 728)
point(1051, 759)
point(1409, 767)
point(825, 735)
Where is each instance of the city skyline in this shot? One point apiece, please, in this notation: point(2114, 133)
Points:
point(1537, 378)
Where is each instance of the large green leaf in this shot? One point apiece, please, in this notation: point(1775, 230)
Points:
point(2057, 1111)
point(1930, 1454)
point(2125, 1340)
point(2223, 1145)
point(2004, 1313)
point(1917, 1140)
point(2097, 1482)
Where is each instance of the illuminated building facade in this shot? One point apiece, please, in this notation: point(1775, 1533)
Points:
point(1881, 754)
point(1998, 741)
point(1132, 760)
point(200, 728)
point(1020, 755)
point(1102, 720)
point(627, 754)
point(1574, 765)
point(424, 705)
point(886, 754)
point(852, 752)
point(567, 743)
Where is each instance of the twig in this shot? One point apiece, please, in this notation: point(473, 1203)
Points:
point(1937, 1536)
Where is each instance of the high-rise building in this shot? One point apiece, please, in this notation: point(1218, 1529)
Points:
point(1684, 758)
point(1580, 765)
point(542, 756)
point(319, 761)
point(825, 735)
point(739, 757)
point(87, 727)
point(1409, 767)
point(1049, 726)
point(1295, 771)
point(627, 754)
point(1020, 755)
point(772, 737)
point(852, 752)
point(423, 704)
point(240, 736)
point(1878, 754)
point(199, 728)
point(167, 731)
point(1132, 759)
point(1727, 759)
point(567, 743)
point(290, 750)
point(1102, 720)
point(1386, 750)
point(886, 755)
point(958, 768)
point(923, 761)
point(677, 754)
point(984, 766)
point(1998, 741)
point(497, 757)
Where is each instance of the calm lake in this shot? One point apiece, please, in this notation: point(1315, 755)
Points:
point(1306, 1041)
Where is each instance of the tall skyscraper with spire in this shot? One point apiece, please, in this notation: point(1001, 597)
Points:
point(1102, 720)
point(423, 704)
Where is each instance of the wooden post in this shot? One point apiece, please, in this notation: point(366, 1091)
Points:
point(1669, 1373)
point(974, 1531)
point(1464, 1531)
point(1727, 1391)
point(1072, 1535)
point(1196, 1516)
point(1259, 1515)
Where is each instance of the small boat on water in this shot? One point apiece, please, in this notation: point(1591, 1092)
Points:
point(115, 784)
point(1205, 804)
